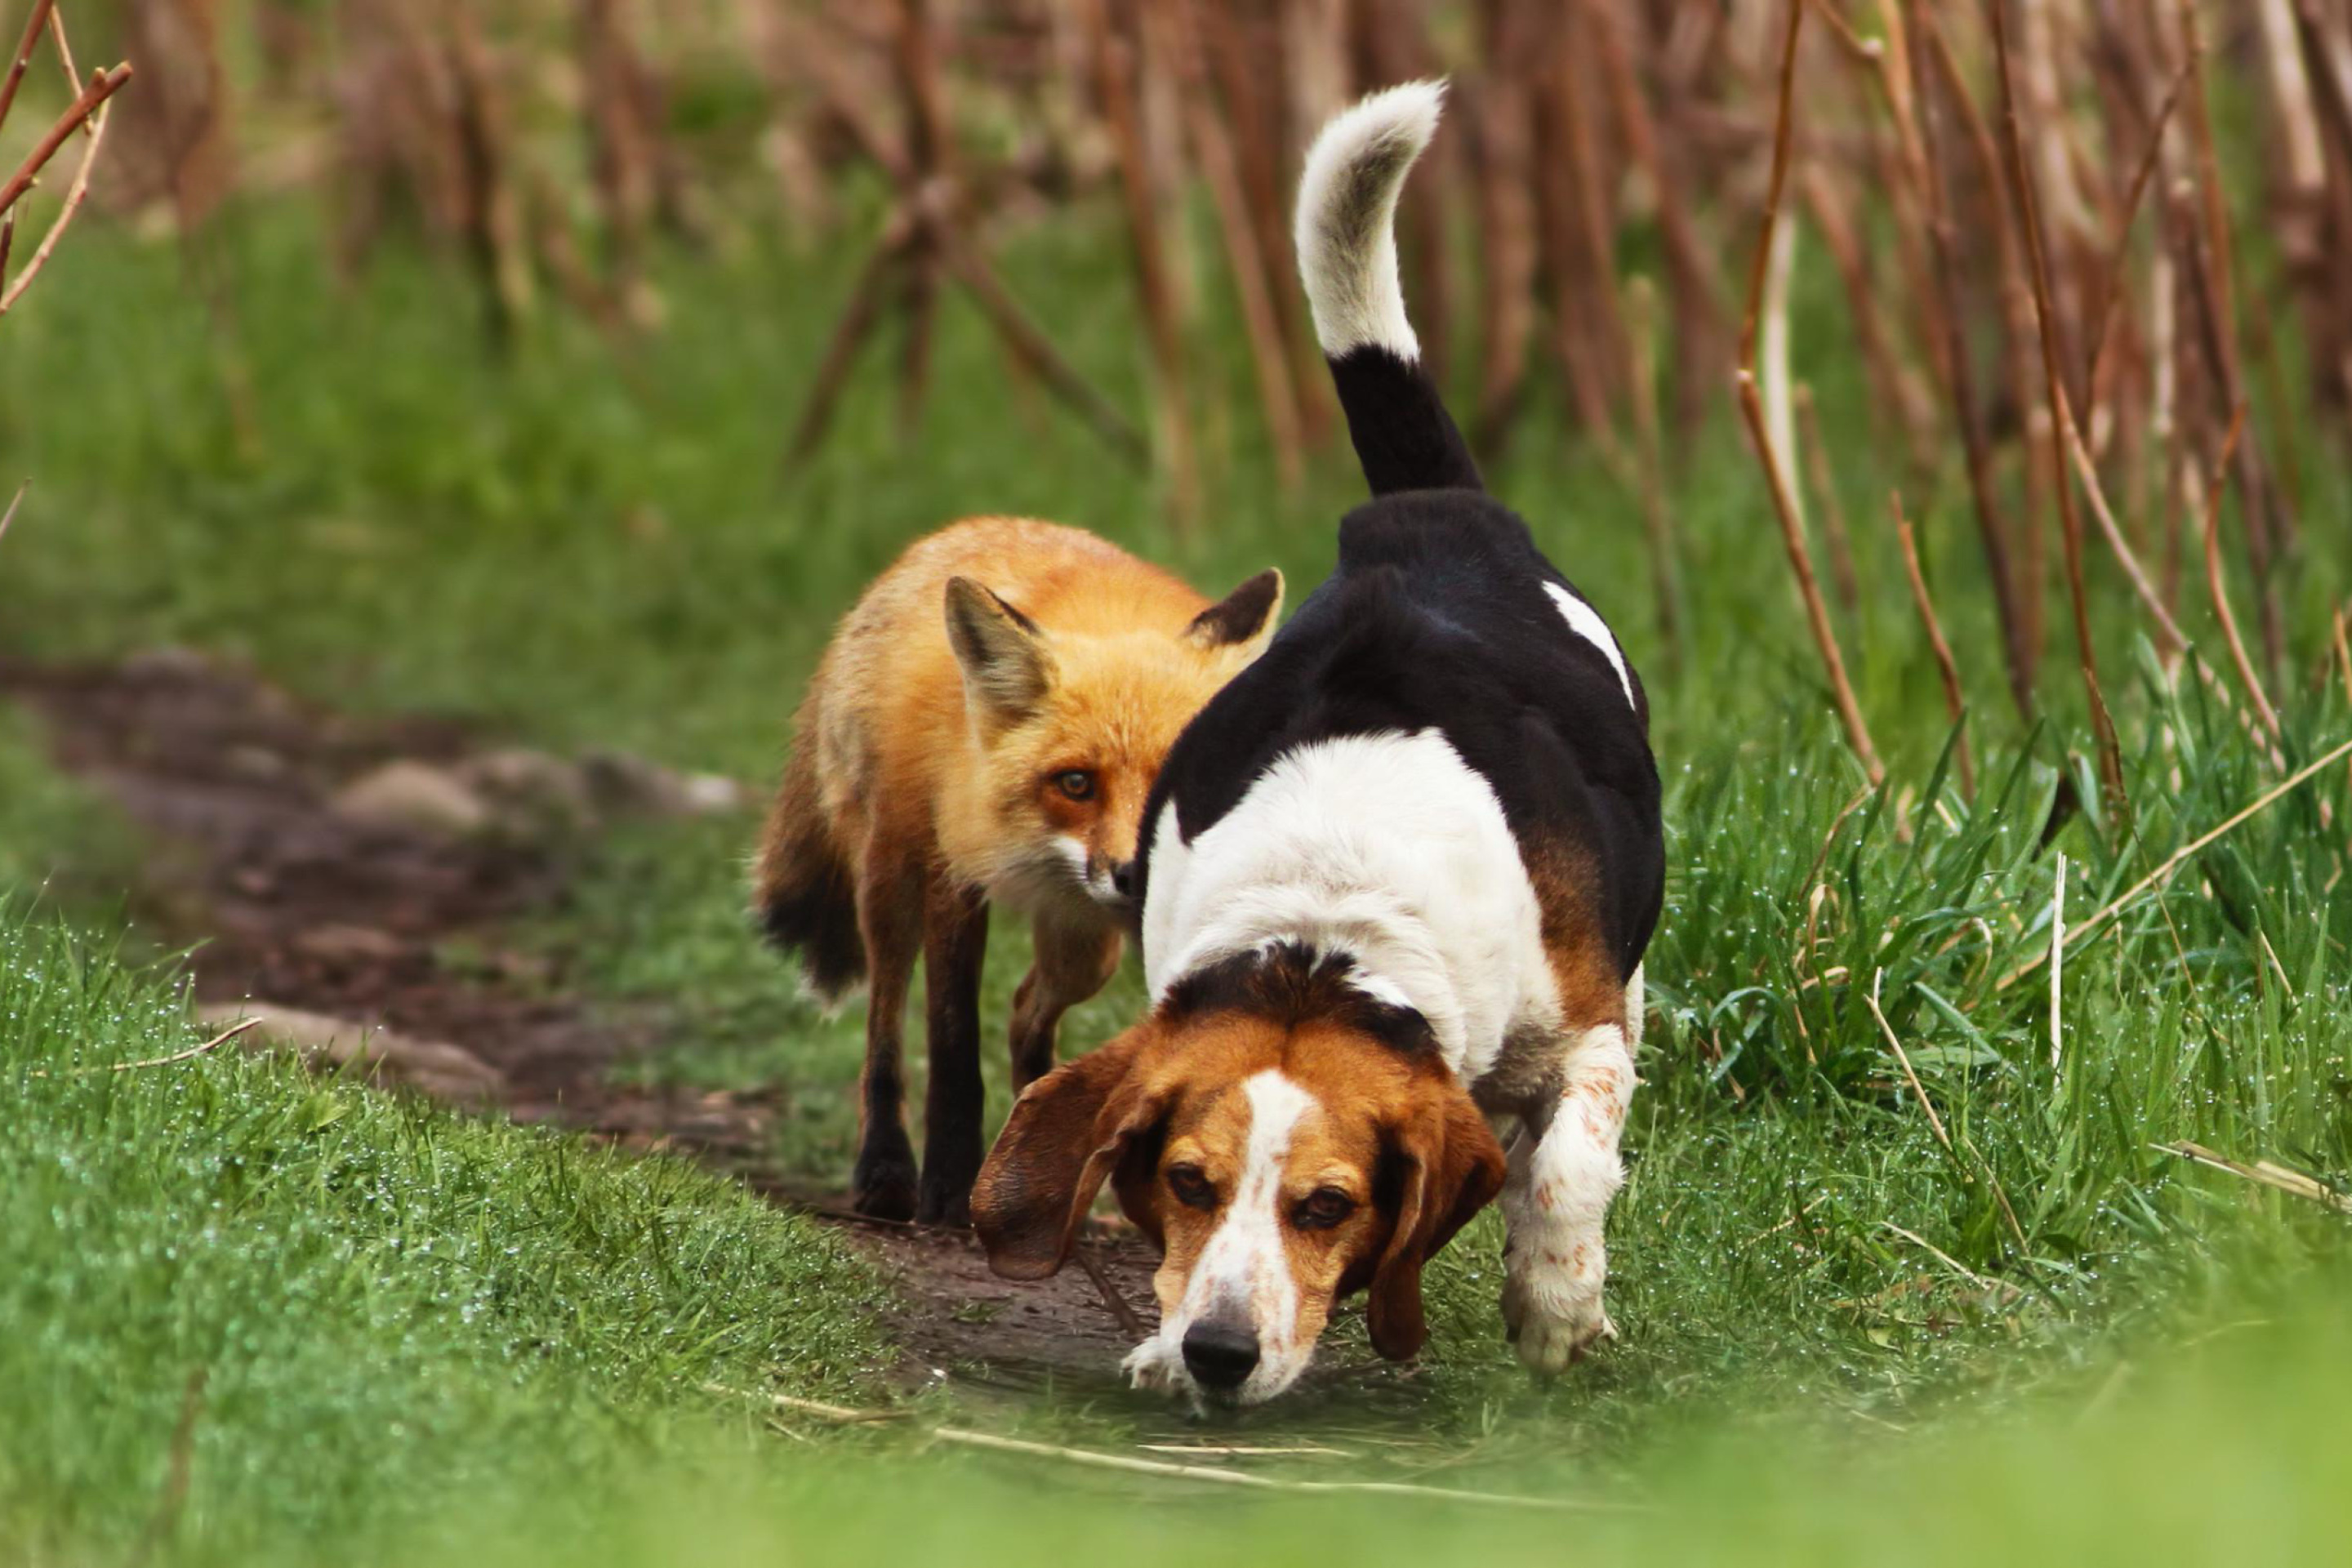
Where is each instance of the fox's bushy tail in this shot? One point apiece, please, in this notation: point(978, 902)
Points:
point(1346, 234)
point(802, 889)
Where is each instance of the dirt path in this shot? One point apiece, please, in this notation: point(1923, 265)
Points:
point(333, 865)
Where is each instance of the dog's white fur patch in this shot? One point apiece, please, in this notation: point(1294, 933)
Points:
point(1245, 1271)
point(1344, 224)
point(1586, 622)
point(1387, 847)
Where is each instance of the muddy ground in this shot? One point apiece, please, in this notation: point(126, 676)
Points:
point(354, 872)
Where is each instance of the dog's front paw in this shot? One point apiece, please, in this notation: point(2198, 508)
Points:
point(1155, 1365)
point(1552, 1322)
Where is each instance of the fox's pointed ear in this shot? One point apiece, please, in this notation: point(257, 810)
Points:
point(1242, 619)
point(1007, 668)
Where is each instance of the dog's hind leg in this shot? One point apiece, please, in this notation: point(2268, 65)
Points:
point(955, 942)
point(1074, 960)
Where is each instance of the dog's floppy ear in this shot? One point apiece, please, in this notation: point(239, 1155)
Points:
point(1244, 618)
point(1450, 1167)
point(1007, 668)
point(1066, 1134)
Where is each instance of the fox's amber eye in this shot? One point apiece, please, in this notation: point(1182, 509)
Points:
point(1077, 783)
point(1323, 1208)
point(1190, 1187)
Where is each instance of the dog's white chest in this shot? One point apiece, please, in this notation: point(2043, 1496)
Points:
point(1387, 847)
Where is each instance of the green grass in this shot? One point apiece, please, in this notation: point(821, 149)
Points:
point(389, 1306)
point(588, 545)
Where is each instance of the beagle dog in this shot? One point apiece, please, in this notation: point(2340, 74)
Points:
point(1396, 881)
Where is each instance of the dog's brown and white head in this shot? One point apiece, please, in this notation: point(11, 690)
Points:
point(1284, 1135)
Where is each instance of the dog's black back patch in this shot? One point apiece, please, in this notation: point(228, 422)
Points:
point(1440, 616)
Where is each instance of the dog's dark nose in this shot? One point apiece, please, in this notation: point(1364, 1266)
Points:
point(1220, 1356)
point(1122, 879)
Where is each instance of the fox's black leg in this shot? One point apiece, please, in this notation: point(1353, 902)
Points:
point(891, 917)
point(955, 940)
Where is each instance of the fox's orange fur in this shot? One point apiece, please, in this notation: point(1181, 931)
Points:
point(984, 728)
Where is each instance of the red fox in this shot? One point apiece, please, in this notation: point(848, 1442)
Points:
point(998, 752)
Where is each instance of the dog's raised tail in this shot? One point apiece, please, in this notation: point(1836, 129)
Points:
point(1346, 234)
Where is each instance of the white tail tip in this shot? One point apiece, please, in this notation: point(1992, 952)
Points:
point(1346, 224)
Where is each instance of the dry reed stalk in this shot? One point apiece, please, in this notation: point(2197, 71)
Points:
point(2297, 176)
point(1901, 164)
point(34, 23)
point(1315, 65)
point(1992, 531)
point(849, 330)
point(2343, 648)
point(65, 52)
point(2109, 286)
point(2214, 583)
point(558, 251)
point(2087, 471)
point(1657, 514)
point(1697, 309)
point(1505, 220)
point(620, 153)
point(1815, 454)
point(2057, 951)
point(1774, 382)
point(1155, 290)
point(1752, 406)
point(2164, 363)
point(2215, 273)
point(2172, 862)
point(2278, 1177)
point(2019, 334)
point(2221, 361)
point(1245, 244)
point(103, 86)
point(193, 1052)
point(75, 195)
point(1572, 244)
point(2330, 73)
point(2329, 61)
point(1584, 160)
point(1934, 1122)
point(1258, 148)
point(2111, 758)
point(1897, 391)
point(914, 60)
point(1028, 344)
point(492, 212)
point(1130, 1321)
point(1947, 669)
point(1390, 44)
point(1095, 1459)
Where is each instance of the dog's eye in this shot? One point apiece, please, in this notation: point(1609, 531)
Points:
point(1077, 783)
point(1323, 1208)
point(1190, 1187)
